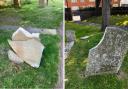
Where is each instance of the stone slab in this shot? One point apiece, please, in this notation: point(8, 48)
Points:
point(107, 56)
point(30, 51)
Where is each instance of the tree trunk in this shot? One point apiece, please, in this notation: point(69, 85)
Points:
point(97, 3)
point(119, 3)
point(43, 3)
point(27, 1)
point(105, 13)
point(17, 3)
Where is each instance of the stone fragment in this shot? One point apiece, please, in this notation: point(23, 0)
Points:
point(85, 37)
point(49, 31)
point(21, 35)
point(30, 51)
point(13, 57)
point(107, 56)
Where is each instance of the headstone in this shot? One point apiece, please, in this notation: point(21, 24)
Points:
point(70, 39)
point(70, 35)
point(108, 55)
point(68, 47)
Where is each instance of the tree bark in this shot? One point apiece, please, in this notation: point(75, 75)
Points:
point(105, 13)
point(97, 4)
point(43, 3)
point(119, 3)
point(17, 3)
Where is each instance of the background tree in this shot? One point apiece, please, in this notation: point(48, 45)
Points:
point(43, 3)
point(105, 13)
point(17, 3)
point(97, 4)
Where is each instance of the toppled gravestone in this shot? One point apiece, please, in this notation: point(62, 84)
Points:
point(26, 47)
point(108, 55)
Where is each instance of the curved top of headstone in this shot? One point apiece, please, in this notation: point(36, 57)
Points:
point(108, 54)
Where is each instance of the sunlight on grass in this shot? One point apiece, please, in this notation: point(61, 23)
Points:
point(119, 20)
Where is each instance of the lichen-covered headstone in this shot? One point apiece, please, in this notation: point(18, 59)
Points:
point(70, 38)
point(70, 35)
point(108, 55)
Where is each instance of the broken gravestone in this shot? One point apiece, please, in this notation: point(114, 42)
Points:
point(70, 35)
point(27, 48)
point(70, 38)
point(108, 55)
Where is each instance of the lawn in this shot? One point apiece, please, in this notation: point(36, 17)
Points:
point(24, 76)
point(32, 15)
point(119, 20)
point(77, 60)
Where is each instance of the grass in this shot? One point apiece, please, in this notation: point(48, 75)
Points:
point(119, 20)
point(77, 60)
point(33, 15)
point(24, 76)
point(81, 30)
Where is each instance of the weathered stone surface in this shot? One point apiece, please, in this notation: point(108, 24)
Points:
point(68, 47)
point(13, 57)
point(49, 31)
point(108, 55)
point(21, 34)
point(30, 51)
point(70, 35)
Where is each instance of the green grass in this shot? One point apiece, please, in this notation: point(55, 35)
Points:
point(24, 76)
point(81, 30)
point(77, 60)
point(119, 20)
point(32, 15)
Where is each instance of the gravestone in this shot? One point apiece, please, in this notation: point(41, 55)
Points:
point(70, 39)
point(70, 35)
point(107, 56)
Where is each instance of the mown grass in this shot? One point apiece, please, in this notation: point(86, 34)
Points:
point(33, 15)
point(24, 76)
point(77, 60)
point(119, 20)
point(81, 30)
